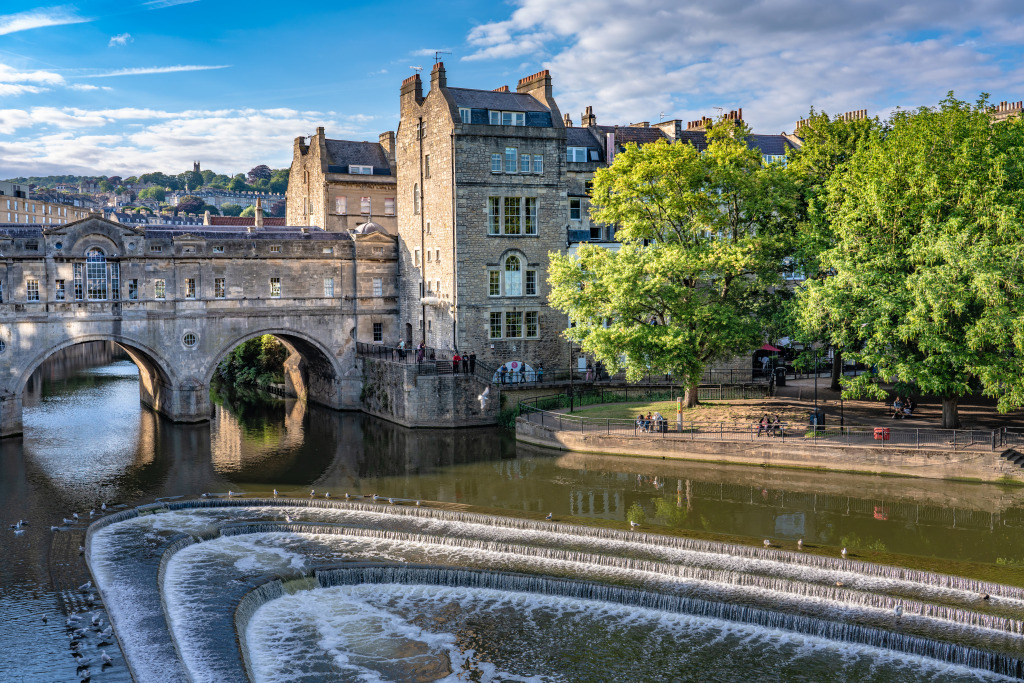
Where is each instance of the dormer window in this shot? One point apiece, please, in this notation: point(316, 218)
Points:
point(465, 115)
point(575, 153)
point(360, 170)
point(507, 118)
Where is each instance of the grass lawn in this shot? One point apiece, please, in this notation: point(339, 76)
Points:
point(747, 411)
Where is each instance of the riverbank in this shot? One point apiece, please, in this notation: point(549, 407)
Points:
point(969, 465)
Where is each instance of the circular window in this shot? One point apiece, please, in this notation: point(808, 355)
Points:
point(3, 346)
point(58, 245)
point(189, 339)
point(131, 246)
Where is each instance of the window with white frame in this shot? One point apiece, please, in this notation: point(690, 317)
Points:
point(218, 249)
point(511, 155)
point(493, 283)
point(133, 289)
point(495, 163)
point(190, 288)
point(538, 163)
point(378, 332)
point(493, 215)
point(360, 170)
point(524, 163)
point(341, 205)
point(389, 206)
point(532, 324)
point(513, 324)
point(531, 283)
point(329, 287)
point(59, 291)
point(364, 206)
point(575, 153)
point(159, 289)
point(495, 327)
point(465, 115)
point(529, 215)
point(96, 275)
point(275, 288)
point(575, 209)
point(416, 198)
point(513, 207)
point(275, 248)
point(513, 276)
point(32, 289)
point(219, 289)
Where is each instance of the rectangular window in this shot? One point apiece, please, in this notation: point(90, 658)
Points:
point(495, 118)
point(437, 287)
point(576, 154)
point(133, 289)
point(513, 118)
point(341, 205)
point(32, 290)
point(218, 249)
point(1, 292)
point(529, 215)
point(532, 324)
point(416, 257)
point(95, 280)
point(513, 206)
point(513, 324)
point(426, 165)
point(329, 287)
point(156, 248)
point(360, 170)
point(79, 282)
point(510, 160)
point(115, 280)
point(588, 187)
point(389, 207)
point(32, 245)
point(495, 325)
point(575, 209)
point(493, 215)
point(364, 205)
point(465, 115)
point(219, 290)
point(190, 288)
point(428, 255)
point(59, 291)
point(378, 286)
point(275, 248)
point(275, 288)
point(524, 163)
point(538, 163)
point(328, 250)
point(494, 283)
point(531, 283)
point(378, 332)
point(159, 289)
point(495, 163)
point(437, 255)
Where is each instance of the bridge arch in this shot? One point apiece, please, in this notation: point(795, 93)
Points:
point(312, 370)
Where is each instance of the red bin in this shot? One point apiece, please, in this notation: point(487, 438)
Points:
point(881, 433)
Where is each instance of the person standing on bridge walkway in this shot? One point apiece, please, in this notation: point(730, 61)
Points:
point(455, 362)
point(421, 351)
point(472, 362)
point(465, 363)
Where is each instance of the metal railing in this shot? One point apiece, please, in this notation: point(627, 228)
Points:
point(668, 428)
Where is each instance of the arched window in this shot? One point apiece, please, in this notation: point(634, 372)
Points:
point(513, 277)
point(416, 198)
point(96, 275)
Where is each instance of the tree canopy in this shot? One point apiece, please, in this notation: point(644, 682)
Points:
point(230, 209)
point(250, 211)
point(925, 261)
point(703, 235)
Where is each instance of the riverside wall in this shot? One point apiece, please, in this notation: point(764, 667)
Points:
point(985, 466)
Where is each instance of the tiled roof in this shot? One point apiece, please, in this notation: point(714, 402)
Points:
point(489, 99)
point(250, 220)
point(581, 137)
point(775, 145)
point(624, 134)
point(348, 152)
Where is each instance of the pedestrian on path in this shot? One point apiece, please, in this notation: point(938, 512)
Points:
point(455, 362)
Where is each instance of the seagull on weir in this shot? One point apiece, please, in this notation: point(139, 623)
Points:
point(230, 493)
point(550, 515)
point(107, 632)
point(92, 513)
point(19, 532)
point(767, 543)
point(417, 503)
point(633, 525)
point(54, 528)
point(81, 550)
point(843, 552)
point(20, 524)
point(898, 611)
point(68, 522)
point(484, 398)
point(376, 497)
point(346, 495)
point(275, 493)
point(327, 495)
point(103, 507)
point(95, 618)
point(74, 515)
point(105, 658)
point(800, 544)
point(391, 500)
point(312, 493)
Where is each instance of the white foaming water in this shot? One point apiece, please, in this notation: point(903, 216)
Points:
point(395, 632)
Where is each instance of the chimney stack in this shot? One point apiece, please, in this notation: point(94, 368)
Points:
point(387, 141)
point(568, 121)
point(587, 118)
point(412, 86)
point(259, 210)
point(437, 77)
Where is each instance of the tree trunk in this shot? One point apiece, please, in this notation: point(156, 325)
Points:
point(690, 397)
point(837, 370)
point(950, 416)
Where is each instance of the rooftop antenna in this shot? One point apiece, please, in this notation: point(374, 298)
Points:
point(417, 69)
point(438, 53)
point(661, 116)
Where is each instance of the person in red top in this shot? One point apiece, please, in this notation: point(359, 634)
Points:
point(455, 362)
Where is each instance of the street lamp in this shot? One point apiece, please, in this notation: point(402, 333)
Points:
point(569, 344)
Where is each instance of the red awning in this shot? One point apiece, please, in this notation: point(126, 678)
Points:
point(769, 347)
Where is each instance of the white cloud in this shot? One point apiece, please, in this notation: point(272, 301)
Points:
point(39, 18)
point(142, 71)
point(120, 39)
point(128, 141)
point(85, 87)
point(160, 4)
point(637, 59)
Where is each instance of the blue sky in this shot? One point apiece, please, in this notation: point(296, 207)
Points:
point(130, 86)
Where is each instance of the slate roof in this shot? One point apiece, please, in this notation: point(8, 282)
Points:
point(239, 220)
point(775, 145)
point(624, 134)
point(488, 99)
point(348, 152)
point(581, 137)
point(285, 232)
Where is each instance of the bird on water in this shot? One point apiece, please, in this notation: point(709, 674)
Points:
point(550, 514)
point(843, 552)
point(633, 525)
point(800, 544)
point(767, 543)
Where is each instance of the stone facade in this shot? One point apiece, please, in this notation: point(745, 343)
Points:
point(339, 185)
point(178, 300)
point(398, 393)
point(481, 203)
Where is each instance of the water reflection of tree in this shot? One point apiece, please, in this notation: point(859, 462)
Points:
point(255, 410)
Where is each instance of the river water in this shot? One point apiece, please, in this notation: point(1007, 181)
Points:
point(88, 441)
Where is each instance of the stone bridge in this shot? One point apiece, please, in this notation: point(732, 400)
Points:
point(179, 299)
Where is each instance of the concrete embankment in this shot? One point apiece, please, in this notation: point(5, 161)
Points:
point(932, 464)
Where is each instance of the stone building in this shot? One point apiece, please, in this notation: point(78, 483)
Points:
point(482, 200)
point(27, 211)
point(339, 185)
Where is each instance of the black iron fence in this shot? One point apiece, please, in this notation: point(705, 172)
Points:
point(544, 411)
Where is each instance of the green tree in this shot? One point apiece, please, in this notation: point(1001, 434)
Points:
point(703, 238)
point(230, 209)
point(257, 173)
point(927, 256)
point(190, 204)
point(155, 193)
point(105, 186)
point(161, 180)
point(279, 181)
point(250, 211)
point(237, 184)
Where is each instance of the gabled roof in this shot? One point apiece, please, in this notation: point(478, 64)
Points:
point(489, 99)
point(624, 134)
point(775, 145)
point(580, 137)
point(344, 153)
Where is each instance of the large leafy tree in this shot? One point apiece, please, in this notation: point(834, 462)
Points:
point(703, 239)
point(928, 256)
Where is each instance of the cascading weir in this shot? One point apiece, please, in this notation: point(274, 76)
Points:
point(413, 593)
